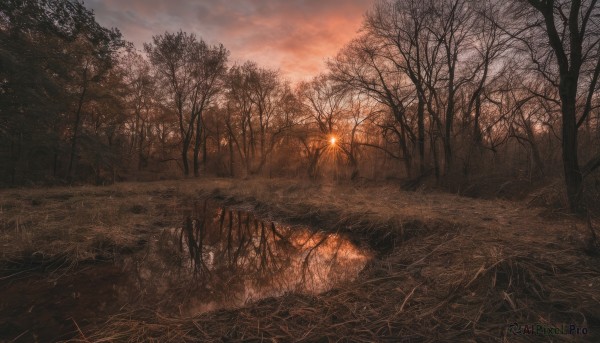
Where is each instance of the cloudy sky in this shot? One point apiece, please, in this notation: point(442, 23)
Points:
point(295, 36)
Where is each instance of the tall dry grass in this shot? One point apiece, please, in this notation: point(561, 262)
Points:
point(446, 269)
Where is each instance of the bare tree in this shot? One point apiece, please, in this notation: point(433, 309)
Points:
point(189, 68)
point(572, 28)
point(255, 102)
point(209, 70)
point(139, 98)
point(364, 66)
point(402, 28)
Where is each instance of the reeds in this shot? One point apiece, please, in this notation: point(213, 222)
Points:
point(453, 286)
point(445, 269)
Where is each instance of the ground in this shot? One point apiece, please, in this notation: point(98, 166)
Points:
point(444, 268)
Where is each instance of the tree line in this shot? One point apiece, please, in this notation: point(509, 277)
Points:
point(449, 90)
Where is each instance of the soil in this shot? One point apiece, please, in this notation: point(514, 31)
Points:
point(445, 268)
point(40, 309)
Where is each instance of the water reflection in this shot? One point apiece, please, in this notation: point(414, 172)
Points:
point(224, 257)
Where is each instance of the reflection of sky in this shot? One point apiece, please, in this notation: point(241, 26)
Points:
point(245, 260)
point(293, 35)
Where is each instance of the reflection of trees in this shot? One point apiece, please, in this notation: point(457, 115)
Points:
point(225, 257)
point(231, 244)
point(234, 246)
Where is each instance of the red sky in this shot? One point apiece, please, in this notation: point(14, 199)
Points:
point(295, 36)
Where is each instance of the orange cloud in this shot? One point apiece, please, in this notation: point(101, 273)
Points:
point(295, 36)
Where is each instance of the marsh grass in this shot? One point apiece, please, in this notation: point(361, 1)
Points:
point(446, 269)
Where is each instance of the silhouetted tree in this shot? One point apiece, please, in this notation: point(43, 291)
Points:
point(189, 69)
point(53, 52)
point(572, 29)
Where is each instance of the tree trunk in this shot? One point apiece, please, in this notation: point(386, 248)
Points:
point(405, 152)
point(76, 125)
point(204, 152)
point(569, 63)
point(184, 158)
point(448, 135)
point(573, 177)
point(421, 133)
point(141, 138)
point(477, 137)
point(230, 143)
point(197, 143)
point(436, 162)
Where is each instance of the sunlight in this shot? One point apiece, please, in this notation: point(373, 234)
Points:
point(332, 140)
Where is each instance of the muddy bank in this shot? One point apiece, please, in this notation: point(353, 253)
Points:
point(459, 285)
point(219, 258)
point(445, 268)
point(40, 308)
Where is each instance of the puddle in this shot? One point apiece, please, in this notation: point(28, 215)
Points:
point(228, 257)
point(219, 258)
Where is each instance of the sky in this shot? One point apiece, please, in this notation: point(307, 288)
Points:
point(294, 36)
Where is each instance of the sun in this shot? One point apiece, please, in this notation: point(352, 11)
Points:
point(332, 140)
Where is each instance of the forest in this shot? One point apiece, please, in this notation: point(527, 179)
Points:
point(454, 93)
point(439, 180)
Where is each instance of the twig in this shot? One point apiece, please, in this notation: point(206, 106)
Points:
point(79, 330)
point(406, 298)
point(19, 336)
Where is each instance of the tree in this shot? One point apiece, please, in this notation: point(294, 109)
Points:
point(91, 61)
point(327, 105)
point(572, 28)
point(51, 52)
point(255, 101)
point(209, 71)
point(364, 66)
point(140, 98)
point(402, 29)
point(190, 70)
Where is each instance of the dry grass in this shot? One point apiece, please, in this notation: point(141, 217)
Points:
point(58, 228)
point(448, 268)
point(451, 284)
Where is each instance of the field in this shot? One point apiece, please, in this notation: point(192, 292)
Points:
point(441, 267)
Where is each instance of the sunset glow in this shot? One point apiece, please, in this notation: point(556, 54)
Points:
point(249, 166)
point(295, 36)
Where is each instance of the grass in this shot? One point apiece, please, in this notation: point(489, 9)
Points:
point(446, 268)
